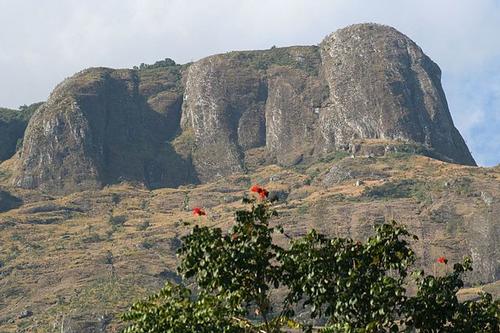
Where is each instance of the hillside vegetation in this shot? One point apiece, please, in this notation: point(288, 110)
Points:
point(12, 126)
point(84, 258)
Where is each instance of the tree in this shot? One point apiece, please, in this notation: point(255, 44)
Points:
point(352, 286)
point(436, 308)
point(233, 273)
point(240, 263)
point(173, 310)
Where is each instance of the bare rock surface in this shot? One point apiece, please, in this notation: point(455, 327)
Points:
point(173, 124)
point(103, 126)
point(383, 86)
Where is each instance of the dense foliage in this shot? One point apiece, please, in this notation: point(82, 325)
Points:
point(12, 126)
point(348, 282)
point(167, 62)
point(348, 285)
point(23, 114)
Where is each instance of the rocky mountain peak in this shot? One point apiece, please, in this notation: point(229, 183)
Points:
point(383, 86)
point(169, 125)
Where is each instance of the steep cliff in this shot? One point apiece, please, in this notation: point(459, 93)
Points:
point(366, 81)
point(104, 126)
point(242, 100)
point(169, 125)
point(383, 86)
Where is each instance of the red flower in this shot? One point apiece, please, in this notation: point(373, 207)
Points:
point(234, 236)
point(442, 260)
point(198, 211)
point(256, 188)
point(262, 192)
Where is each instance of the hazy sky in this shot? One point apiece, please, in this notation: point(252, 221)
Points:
point(42, 42)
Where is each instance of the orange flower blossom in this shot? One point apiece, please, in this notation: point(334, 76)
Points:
point(262, 192)
point(442, 260)
point(197, 211)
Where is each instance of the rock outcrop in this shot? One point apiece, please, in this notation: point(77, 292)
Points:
point(8, 201)
point(105, 126)
point(383, 86)
point(174, 124)
point(366, 81)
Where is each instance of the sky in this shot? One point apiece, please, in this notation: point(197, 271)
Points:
point(43, 42)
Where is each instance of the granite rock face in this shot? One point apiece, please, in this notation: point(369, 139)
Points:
point(242, 100)
point(178, 124)
point(101, 127)
point(366, 81)
point(223, 106)
point(383, 86)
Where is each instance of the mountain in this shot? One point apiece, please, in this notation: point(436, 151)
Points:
point(348, 134)
point(170, 124)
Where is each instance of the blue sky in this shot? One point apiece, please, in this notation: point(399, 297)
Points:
point(42, 42)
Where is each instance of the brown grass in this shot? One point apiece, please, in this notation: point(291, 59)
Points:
point(63, 268)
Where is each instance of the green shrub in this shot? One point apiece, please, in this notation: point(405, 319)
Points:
point(118, 220)
point(405, 188)
point(167, 62)
point(92, 238)
point(144, 225)
point(12, 126)
point(303, 209)
point(115, 198)
point(391, 190)
point(463, 186)
point(146, 244)
point(335, 156)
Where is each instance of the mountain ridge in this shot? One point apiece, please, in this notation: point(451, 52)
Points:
point(171, 124)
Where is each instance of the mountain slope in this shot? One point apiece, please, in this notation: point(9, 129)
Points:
point(84, 257)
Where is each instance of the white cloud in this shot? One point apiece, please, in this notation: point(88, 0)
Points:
point(43, 42)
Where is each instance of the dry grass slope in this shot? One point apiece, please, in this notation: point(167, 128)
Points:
point(77, 261)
